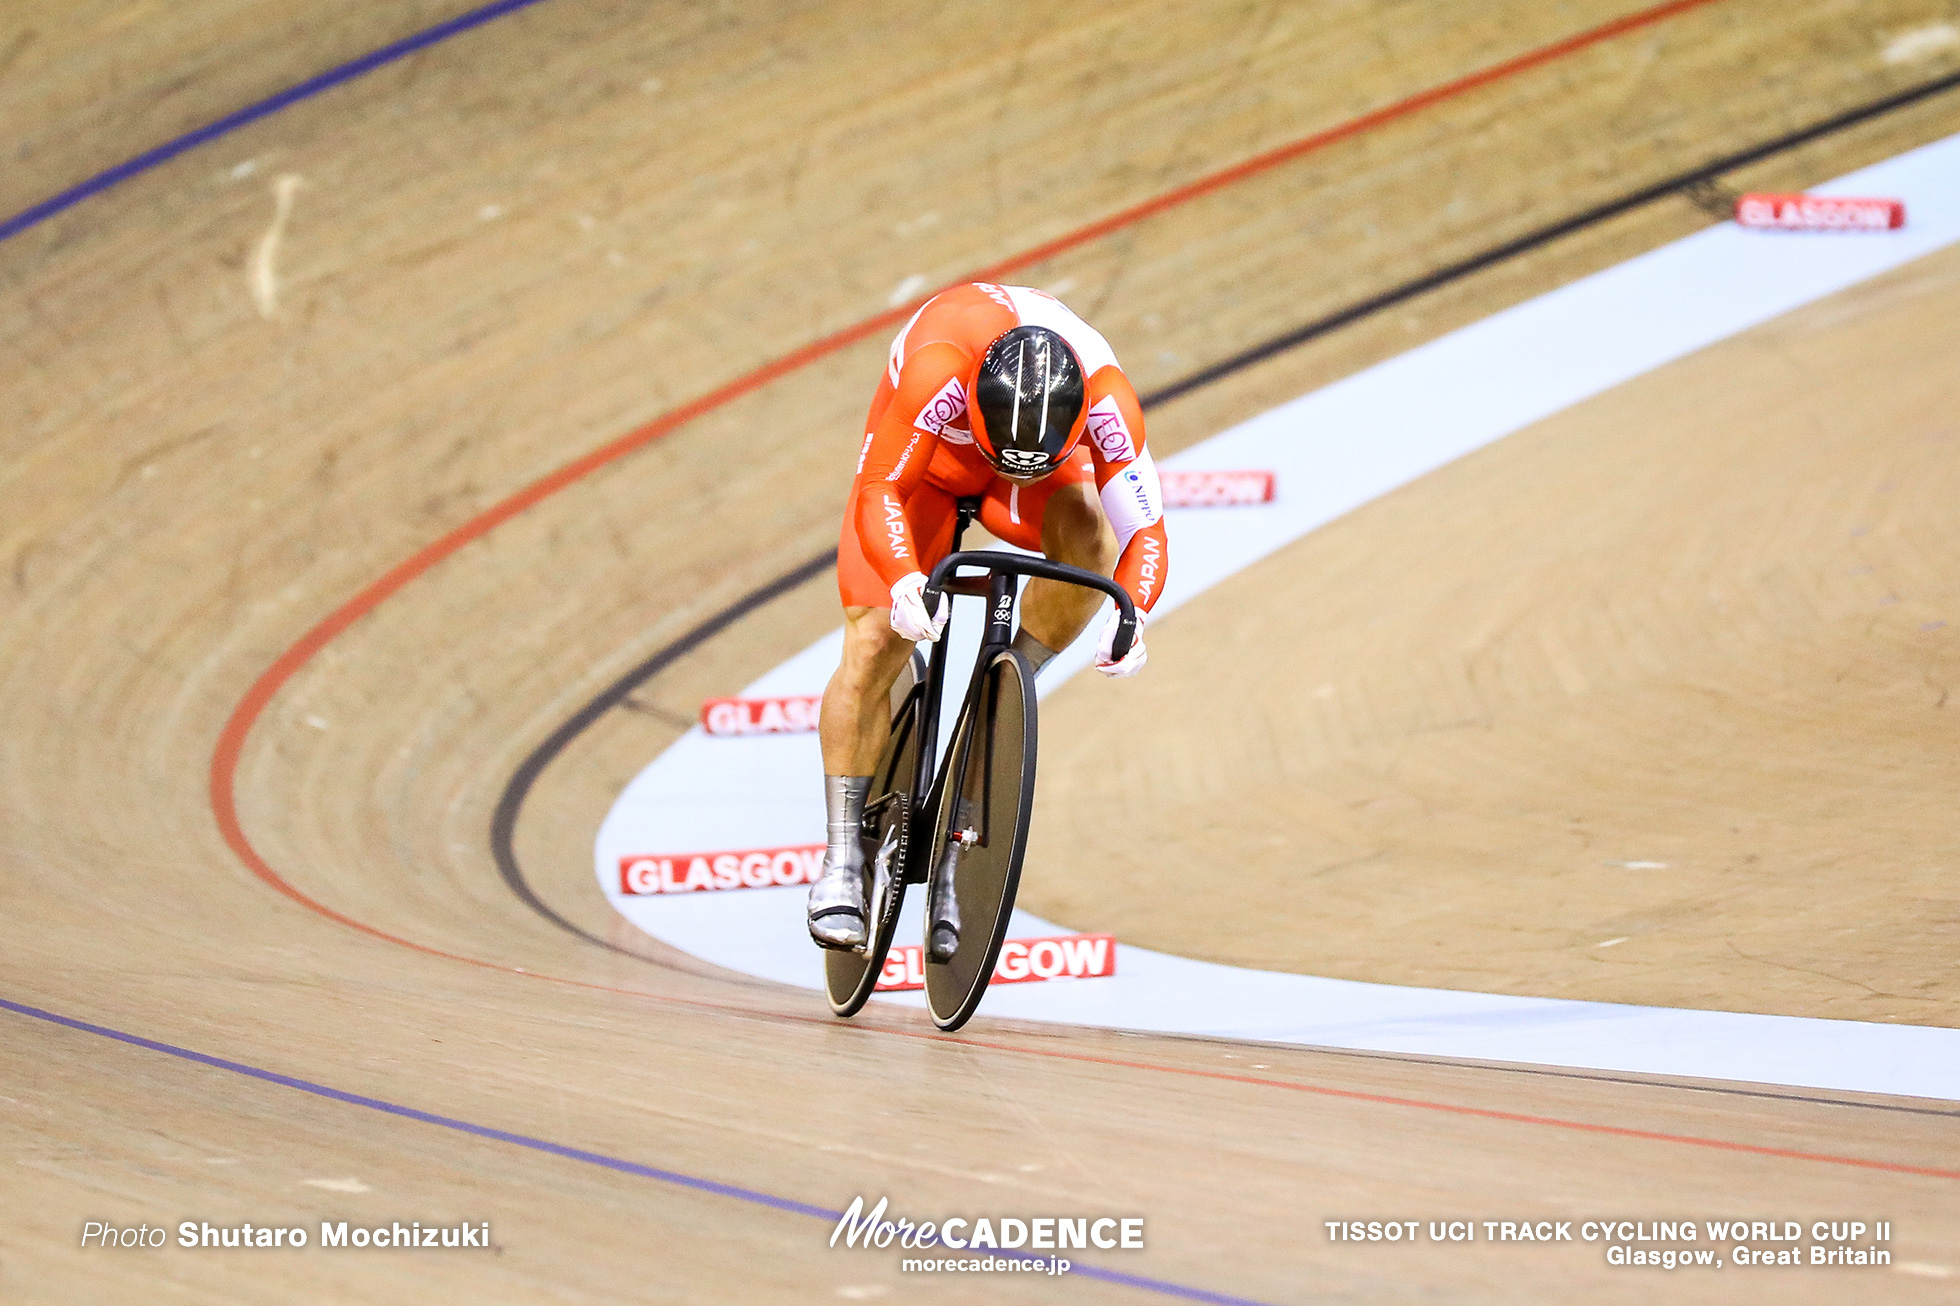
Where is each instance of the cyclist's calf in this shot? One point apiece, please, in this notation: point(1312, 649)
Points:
point(856, 713)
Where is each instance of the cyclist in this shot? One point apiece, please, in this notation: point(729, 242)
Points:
point(998, 392)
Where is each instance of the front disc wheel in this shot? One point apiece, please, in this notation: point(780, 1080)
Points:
point(983, 815)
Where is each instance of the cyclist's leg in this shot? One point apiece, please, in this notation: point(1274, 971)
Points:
point(855, 719)
point(856, 714)
point(1062, 517)
point(851, 734)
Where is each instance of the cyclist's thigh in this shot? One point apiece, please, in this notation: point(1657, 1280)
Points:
point(930, 510)
point(1014, 512)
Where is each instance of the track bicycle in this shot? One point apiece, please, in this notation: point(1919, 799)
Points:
point(976, 801)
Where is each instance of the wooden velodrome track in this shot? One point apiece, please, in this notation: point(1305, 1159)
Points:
point(517, 245)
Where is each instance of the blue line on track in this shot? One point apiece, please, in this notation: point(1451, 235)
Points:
point(1160, 1286)
point(231, 122)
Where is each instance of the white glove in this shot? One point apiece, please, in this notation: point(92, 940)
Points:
point(1131, 664)
point(909, 609)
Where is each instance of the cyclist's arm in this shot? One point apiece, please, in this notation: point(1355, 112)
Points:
point(1126, 477)
point(896, 452)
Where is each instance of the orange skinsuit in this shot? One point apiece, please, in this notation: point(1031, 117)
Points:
point(919, 455)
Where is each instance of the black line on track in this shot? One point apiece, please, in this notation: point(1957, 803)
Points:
point(1694, 179)
point(503, 822)
point(1697, 182)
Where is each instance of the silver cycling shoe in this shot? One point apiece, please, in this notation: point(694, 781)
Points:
point(837, 907)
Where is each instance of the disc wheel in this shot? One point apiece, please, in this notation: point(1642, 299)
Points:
point(849, 975)
point(988, 797)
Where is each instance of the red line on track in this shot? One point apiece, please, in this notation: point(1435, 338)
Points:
point(231, 740)
point(1306, 145)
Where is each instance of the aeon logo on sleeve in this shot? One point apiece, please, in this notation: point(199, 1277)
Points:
point(1107, 429)
point(942, 408)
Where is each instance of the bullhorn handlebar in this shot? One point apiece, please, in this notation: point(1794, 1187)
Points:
point(1015, 564)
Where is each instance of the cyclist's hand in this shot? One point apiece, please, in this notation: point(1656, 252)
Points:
point(909, 609)
point(1131, 664)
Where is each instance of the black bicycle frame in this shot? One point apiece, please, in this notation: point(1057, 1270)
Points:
point(1004, 570)
point(930, 694)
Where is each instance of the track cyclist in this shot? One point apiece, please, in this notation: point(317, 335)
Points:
point(990, 392)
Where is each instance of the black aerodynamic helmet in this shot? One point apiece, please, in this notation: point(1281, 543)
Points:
point(1027, 402)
